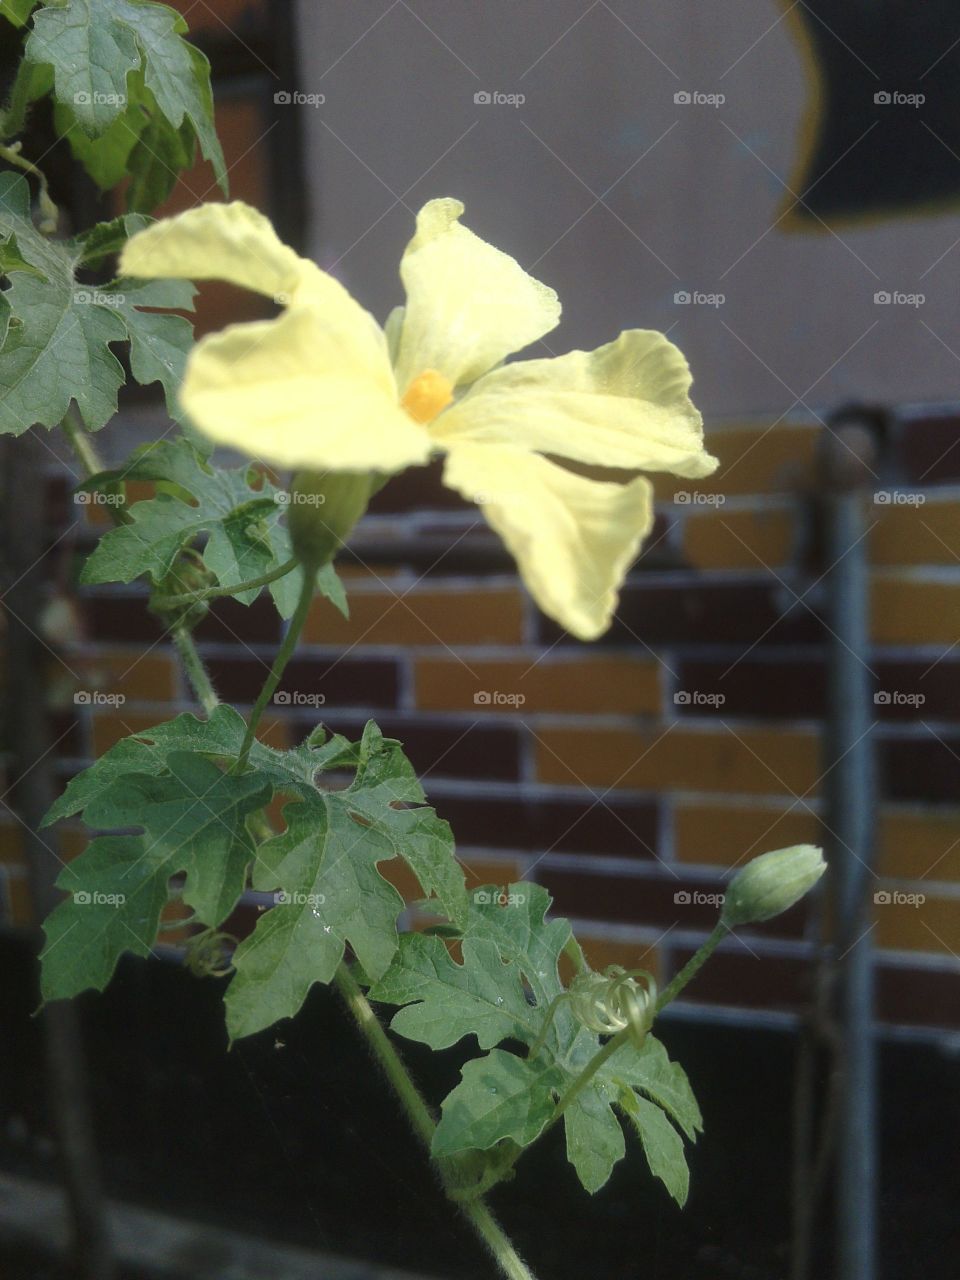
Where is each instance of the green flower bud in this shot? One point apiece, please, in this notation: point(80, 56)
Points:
point(324, 507)
point(771, 884)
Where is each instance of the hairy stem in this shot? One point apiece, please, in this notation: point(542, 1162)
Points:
point(196, 672)
point(194, 669)
point(213, 593)
point(284, 655)
point(693, 965)
point(418, 1113)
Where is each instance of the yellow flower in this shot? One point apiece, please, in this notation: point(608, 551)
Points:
point(323, 387)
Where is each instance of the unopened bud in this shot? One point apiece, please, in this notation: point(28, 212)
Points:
point(771, 884)
point(324, 507)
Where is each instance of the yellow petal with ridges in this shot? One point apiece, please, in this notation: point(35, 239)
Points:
point(468, 304)
point(573, 539)
point(623, 405)
point(294, 392)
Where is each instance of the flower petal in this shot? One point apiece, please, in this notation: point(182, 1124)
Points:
point(230, 242)
point(573, 539)
point(295, 392)
point(623, 405)
point(468, 304)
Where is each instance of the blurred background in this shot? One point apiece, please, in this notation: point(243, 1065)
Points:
point(775, 186)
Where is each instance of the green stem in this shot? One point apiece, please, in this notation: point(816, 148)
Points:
point(418, 1113)
point(89, 460)
point(49, 212)
point(279, 663)
point(194, 669)
point(212, 593)
point(693, 965)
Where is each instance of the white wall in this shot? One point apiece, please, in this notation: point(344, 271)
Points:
point(399, 125)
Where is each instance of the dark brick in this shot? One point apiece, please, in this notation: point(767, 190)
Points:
point(368, 682)
point(918, 997)
point(114, 618)
point(764, 687)
point(926, 768)
point(630, 900)
point(930, 450)
point(231, 622)
point(415, 489)
point(621, 828)
point(439, 748)
point(938, 685)
point(694, 611)
point(736, 977)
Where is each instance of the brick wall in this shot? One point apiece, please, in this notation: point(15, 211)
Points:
point(635, 769)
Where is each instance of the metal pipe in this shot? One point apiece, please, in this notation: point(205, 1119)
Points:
point(850, 819)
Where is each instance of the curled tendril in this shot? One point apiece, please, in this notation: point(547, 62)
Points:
point(607, 1003)
point(206, 954)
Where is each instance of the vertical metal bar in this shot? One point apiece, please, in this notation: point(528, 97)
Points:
point(850, 821)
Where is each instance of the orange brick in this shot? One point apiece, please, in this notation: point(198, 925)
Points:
point(593, 686)
point(908, 612)
point(752, 761)
point(919, 845)
point(738, 539)
point(752, 460)
point(933, 925)
point(220, 17)
point(422, 617)
point(724, 835)
point(137, 676)
point(905, 535)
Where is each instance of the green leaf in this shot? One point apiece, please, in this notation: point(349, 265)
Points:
point(446, 1001)
point(16, 11)
point(499, 1097)
point(95, 46)
point(108, 238)
point(325, 867)
point(662, 1144)
point(56, 347)
point(192, 818)
point(507, 934)
point(236, 508)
